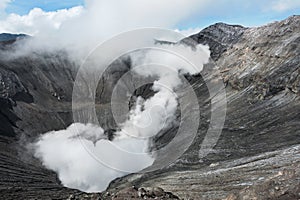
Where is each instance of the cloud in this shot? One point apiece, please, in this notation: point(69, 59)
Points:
point(285, 5)
point(38, 21)
point(103, 19)
point(80, 29)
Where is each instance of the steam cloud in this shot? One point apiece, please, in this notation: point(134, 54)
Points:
point(76, 31)
point(64, 153)
point(76, 168)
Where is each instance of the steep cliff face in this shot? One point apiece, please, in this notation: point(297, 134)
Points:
point(260, 68)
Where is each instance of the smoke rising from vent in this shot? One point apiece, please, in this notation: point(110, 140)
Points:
point(63, 152)
point(83, 156)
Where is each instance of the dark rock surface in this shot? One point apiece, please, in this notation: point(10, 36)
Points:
point(257, 156)
point(271, 175)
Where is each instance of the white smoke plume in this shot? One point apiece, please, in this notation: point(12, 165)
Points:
point(63, 152)
point(66, 154)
